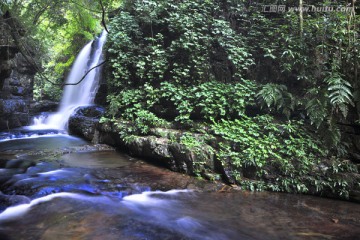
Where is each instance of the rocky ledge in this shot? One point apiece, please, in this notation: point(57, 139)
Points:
point(158, 147)
point(169, 148)
point(16, 79)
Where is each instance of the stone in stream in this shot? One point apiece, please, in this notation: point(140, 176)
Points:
point(12, 200)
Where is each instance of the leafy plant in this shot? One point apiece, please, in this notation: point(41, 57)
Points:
point(277, 96)
point(340, 93)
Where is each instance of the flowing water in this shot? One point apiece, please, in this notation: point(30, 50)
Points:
point(81, 94)
point(61, 187)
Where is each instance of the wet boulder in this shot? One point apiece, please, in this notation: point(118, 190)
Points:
point(12, 200)
point(84, 120)
point(13, 112)
point(36, 108)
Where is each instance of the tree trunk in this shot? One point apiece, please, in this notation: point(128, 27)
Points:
point(301, 18)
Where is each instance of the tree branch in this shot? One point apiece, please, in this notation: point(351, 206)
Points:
point(38, 14)
point(84, 76)
point(103, 16)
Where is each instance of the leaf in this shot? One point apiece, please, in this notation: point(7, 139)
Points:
point(340, 94)
point(277, 96)
point(316, 111)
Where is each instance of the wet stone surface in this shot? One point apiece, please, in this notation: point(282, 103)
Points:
point(61, 187)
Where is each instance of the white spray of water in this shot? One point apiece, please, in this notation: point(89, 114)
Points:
point(19, 210)
point(81, 94)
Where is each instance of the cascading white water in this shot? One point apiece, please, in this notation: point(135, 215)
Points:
point(81, 94)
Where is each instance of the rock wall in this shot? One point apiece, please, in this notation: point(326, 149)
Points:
point(157, 146)
point(164, 147)
point(16, 80)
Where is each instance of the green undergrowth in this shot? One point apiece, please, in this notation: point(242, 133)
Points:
point(267, 155)
point(257, 153)
point(148, 106)
point(267, 109)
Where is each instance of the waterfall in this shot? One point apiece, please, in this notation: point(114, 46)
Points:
point(78, 95)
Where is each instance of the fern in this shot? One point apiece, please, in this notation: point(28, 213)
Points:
point(330, 134)
point(316, 105)
point(277, 96)
point(316, 111)
point(340, 94)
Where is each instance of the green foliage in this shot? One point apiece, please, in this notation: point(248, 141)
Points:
point(191, 142)
point(144, 120)
point(340, 93)
point(317, 69)
point(206, 101)
point(213, 61)
point(132, 105)
point(284, 148)
point(155, 42)
point(316, 107)
point(277, 96)
point(234, 45)
point(258, 141)
point(152, 42)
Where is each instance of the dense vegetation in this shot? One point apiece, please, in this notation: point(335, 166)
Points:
point(278, 91)
point(275, 87)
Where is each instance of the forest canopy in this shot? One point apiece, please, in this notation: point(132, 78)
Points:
point(56, 31)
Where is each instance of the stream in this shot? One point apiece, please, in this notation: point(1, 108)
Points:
point(56, 186)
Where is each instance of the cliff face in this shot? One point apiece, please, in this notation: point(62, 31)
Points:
point(16, 78)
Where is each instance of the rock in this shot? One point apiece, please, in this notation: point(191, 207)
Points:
point(141, 146)
point(43, 106)
point(18, 91)
point(355, 196)
point(355, 157)
point(165, 133)
point(7, 174)
point(164, 147)
point(158, 148)
point(162, 151)
point(7, 51)
point(19, 164)
point(13, 113)
point(198, 161)
point(225, 168)
point(5, 71)
point(23, 67)
point(16, 80)
point(84, 120)
point(12, 200)
point(152, 148)
point(92, 111)
point(101, 95)
point(12, 105)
